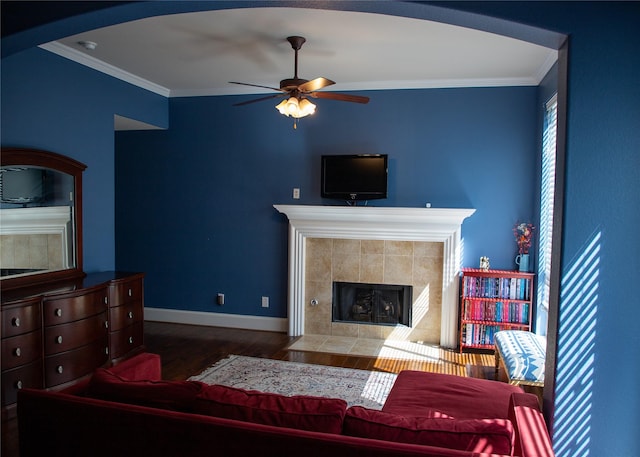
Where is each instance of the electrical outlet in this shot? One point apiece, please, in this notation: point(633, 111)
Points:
point(265, 302)
point(296, 193)
point(220, 299)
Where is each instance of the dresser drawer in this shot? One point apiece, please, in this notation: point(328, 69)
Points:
point(21, 349)
point(68, 309)
point(21, 318)
point(125, 340)
point(25, 376)
point(123, 316)
point(64, 337)
point(126, 292)
point(67, 366)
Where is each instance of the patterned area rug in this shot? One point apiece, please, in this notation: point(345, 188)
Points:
point(357, 387)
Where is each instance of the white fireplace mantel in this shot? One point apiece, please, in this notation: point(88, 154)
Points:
point(46, 220)
point(375, 223)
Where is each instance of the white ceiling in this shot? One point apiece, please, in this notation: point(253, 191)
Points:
point(197, 54)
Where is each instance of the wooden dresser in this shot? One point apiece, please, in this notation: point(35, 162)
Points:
point(57, 333)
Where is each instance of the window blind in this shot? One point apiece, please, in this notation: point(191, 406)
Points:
point(548, 176)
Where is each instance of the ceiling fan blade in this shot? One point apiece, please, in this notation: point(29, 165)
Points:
point(340, 97)
point(256, 85)
point(258, 99)
point(315, 84)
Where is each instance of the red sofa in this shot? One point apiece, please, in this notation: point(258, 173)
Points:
point(129, 411)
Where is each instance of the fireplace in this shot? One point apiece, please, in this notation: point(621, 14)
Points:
point(378, 304)
point(442, 225)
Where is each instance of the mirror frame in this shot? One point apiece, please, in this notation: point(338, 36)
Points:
point(57, 162)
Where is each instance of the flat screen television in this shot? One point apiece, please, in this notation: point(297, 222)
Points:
point(21, 185)
point(354, 177)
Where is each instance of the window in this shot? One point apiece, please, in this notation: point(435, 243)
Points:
point(548, 175)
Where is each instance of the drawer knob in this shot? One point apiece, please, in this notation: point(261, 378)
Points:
point(17, 352)
point(19, 385)
point(106, 324)
point(130, 340)
point(106, 301)
point(59, 339)
point(15, 322)
point(130, 293)
point(58, 312)
point(130, 314)
point(106, 351)
point(59, 369)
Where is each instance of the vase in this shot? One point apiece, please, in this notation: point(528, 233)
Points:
point(522, 260)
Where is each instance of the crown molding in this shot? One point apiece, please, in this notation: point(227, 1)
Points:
point(96, 64)
point(544, 68)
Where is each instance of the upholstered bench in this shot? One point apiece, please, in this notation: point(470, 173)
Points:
point(522, 355)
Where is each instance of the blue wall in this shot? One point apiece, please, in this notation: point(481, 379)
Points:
point(600, 255)
point(597, 409)
point(195, 203)
point(597, 402)
point(53, 104)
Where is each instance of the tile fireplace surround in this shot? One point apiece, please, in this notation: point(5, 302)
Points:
point(422, 234)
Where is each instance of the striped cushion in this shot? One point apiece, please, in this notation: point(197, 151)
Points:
point(523, 354)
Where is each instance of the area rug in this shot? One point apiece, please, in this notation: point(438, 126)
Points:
point(356, 387)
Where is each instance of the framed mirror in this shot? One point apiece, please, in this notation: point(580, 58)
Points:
point(40, 217)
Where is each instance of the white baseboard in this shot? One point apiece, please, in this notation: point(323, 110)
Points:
point(270, 324)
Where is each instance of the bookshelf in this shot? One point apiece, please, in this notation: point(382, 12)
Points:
point(493, 300)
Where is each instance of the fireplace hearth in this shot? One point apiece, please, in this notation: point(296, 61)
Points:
point(378, 304)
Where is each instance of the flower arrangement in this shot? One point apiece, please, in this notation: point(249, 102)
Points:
point(523, 233)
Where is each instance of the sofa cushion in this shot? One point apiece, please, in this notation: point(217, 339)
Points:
point(495, 436)
point(173, 395)
point(142, 366)
point(299, 412)
point(418, 393)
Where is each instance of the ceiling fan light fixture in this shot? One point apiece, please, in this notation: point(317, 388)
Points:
point(306, 107)
point(292, 107)
point(296, 108)
point(282, 107)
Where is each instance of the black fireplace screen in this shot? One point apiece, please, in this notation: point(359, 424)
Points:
point(382, 304)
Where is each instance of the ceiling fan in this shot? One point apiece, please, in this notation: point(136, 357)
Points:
point(298, 90)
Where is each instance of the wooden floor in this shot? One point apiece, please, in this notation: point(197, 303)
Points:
point(186, 350)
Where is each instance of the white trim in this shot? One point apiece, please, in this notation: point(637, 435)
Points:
point(103, 67)
point(368, 222)
point(268, 324)
point(80, 57)
point(34, 220)
point(544, 68)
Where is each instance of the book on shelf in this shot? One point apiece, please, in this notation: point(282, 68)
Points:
point(513, 312)
point(511, 288)
point(480, 334)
